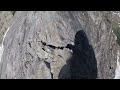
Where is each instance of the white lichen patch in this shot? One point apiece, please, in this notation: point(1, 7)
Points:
point(115, 37)
point(114, 13)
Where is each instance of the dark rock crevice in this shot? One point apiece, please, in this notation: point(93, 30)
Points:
point(49, 67)
point(13, 12)
point(51, 46)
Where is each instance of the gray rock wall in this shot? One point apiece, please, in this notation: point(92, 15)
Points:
point(25, 57)
point(5, 17)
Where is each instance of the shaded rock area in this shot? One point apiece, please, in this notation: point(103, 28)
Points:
point(26, 57)
point(82, 64)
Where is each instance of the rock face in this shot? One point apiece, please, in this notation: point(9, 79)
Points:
point(5, 17)
point(26, 57)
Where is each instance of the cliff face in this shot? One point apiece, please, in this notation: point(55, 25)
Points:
point(5, 18)
point(25, 56)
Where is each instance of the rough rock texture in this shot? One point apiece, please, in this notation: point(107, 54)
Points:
point(25, 57)
point(5, 17)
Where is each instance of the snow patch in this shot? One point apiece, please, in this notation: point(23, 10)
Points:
point(2, 46)
point(117, 71)
point(1, 52)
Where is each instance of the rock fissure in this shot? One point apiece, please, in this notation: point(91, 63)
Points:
point(49, 66)
point(52, 46)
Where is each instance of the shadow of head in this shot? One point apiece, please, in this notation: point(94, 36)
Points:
point(82, 64)
point(80, 37)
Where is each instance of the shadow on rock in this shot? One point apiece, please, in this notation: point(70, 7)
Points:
point(82, 64)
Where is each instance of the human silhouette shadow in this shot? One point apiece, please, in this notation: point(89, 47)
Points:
point(82, 64)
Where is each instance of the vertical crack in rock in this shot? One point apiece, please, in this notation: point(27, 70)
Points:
point(48, 66)
point(29, 44)
point(13, 12)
